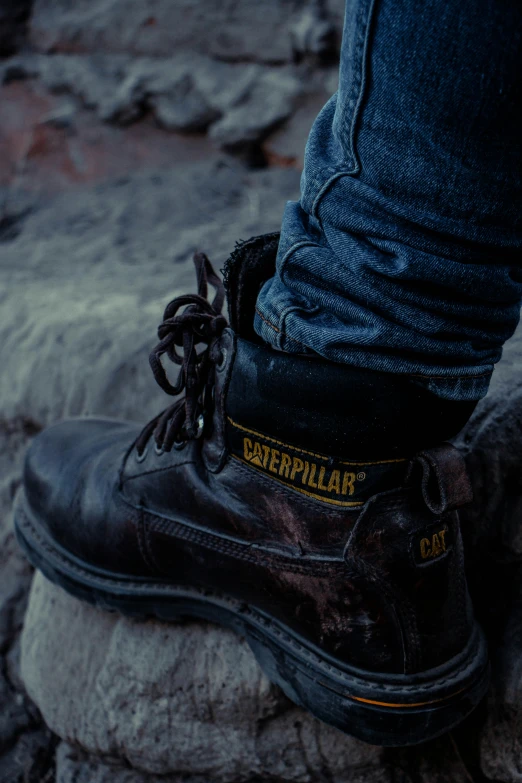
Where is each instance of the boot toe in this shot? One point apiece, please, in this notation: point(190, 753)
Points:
point(70, 481)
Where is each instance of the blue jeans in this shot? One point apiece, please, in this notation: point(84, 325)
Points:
point(403, 254)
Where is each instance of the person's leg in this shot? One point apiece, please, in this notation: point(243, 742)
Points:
point(404, 252)
point(309, 504)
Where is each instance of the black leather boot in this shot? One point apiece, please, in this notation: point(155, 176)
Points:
point(307, 505)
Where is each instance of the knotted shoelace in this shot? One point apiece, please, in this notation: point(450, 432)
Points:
point(200, 323)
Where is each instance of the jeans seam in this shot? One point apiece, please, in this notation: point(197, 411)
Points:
point(289, 252)
point(325, 187)
point(356, 96)
point(281, 332)
point(452, 377)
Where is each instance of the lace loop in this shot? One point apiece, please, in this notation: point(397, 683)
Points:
point(199, 323)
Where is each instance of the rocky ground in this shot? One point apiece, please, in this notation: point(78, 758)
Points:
point(128, 135)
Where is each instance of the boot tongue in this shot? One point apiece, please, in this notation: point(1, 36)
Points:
point(251, 264)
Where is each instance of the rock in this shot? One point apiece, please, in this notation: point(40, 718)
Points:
point(183, 93)
point(93, 274)
point(286, 145)
point(15, 572)
point(169, 699)
point(83, 276)
point(16, 578)
point(241, 102)
point(51, 144)
point(501, 737)
point(92, 79)
point(246, 31)
point(270, 100)
point(184, 108)
point(30, 759)
point(492, 527)
point(187, 701)
point(14, 716)
point(74, 766)
point(312, 33)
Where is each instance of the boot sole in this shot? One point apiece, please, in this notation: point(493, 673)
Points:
point(391, 710)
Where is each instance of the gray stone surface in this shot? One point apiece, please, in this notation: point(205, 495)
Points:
point(162, 698)
point(74, 766)
point(492, 526)
point(93, 273)
point(441, 764)
point(270, 31)
point(240, 104)
point(30, 759)
point(238, 70)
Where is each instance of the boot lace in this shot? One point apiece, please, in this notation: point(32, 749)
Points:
point(199, 324)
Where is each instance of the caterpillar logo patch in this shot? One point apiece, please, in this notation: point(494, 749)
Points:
point(343, 483)
point(432, 544)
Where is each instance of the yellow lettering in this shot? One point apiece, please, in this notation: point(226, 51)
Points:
point(274, 461)
point(348, 483)
point(443, 542)
point(320, 482)
point(255, 456)
point(266, 450)
point(425, 548)
point(334, 485)
point(247, 449)
point(305, 474)
point(286, 462)
point(297, 467)
point(312, 476)
point(436, 548)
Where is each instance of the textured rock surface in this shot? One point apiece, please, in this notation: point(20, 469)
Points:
point(189, 699)
point(137, 699)
point(440, 764)
point(493, 529)
point(241, 103)
point(238, 70)
point(92, 277)
point(271, 31)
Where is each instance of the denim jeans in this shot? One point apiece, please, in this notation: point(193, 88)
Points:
point(403, 254)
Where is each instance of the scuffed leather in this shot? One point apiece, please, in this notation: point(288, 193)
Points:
point(343, 578)
point(71, 485)
point(431, 599)
point(445, 482)
point(214, 448)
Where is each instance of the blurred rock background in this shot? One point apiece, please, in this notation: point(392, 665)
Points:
point(95, 89)
point(132, 133)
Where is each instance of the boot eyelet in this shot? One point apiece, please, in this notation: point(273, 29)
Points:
point(178, 445)
point(158, 450)
point(223, 360)
point(201, 426)
point(141, 457)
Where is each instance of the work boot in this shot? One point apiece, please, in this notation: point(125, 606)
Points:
point(307, 505)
